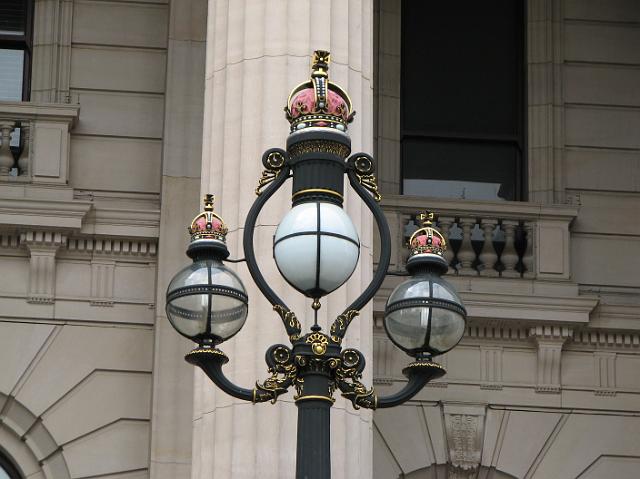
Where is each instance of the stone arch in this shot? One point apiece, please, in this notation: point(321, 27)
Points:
point(28, 443)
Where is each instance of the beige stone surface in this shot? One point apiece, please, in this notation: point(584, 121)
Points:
point(113, 68)
point(606, 43)
point(120, 447)
point(173, 388)
point(118, 23)
point(96, 161)
point(120, 114)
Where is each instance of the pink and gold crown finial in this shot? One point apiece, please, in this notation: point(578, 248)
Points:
point(208, 225)
point(427, 240)
point(319, 102)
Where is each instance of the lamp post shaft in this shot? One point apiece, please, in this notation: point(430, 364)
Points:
point(314, 401)
point(313, 455)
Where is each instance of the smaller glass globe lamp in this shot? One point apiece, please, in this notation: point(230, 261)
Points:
point(206, 301)
point(424, 315)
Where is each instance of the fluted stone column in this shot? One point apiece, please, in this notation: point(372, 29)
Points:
point(257, 51)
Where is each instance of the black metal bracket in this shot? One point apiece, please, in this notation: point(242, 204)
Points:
point(360, 164)
point(274, 184)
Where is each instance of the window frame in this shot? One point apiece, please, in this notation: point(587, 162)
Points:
point(25, 44)
point(520, 140)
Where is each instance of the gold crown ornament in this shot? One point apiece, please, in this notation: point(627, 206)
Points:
point(319, 102)
point(208, 225)
point(427, 240)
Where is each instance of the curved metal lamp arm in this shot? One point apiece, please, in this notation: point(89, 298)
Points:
point(359, 171)
point(275, 174)
point(349, 373)
point(279, 358)
point(419, 374)
point(280, 176)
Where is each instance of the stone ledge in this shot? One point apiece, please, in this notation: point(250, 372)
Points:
point(26, 110)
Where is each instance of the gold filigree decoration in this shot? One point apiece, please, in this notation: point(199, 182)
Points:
point(283, 373)
point(319, 146)
point(365, 172)
point(370, 183)
point(318, 343)
point(290, 321)
point(299, 385)
point(213, 351)
point(273, 165)
point(340, 325)
point(348, 376)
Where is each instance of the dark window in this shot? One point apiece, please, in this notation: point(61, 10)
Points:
point(463, 77)
point(7, 469)
point(15, 49)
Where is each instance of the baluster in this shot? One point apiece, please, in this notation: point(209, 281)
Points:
point(488, 256)
point(23, 161)
point(445, 225)
point(466, 255)
point(509, 256)
point(6, 157)
point(527, 258)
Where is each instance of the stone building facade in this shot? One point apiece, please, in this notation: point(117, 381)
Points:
point(138, 107)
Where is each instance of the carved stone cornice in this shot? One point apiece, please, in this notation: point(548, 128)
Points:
point(42, 214)
point(607, 339)
point(113, 246)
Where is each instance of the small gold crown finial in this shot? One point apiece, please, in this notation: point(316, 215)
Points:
point(426, 218)
point(320, 61)
point(208, 201)
point(208, 225)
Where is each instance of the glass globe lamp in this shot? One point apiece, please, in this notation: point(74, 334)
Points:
point(424, 315)
point(316, 248)
point(206, 301)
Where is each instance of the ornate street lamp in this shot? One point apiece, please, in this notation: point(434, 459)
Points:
point(316, 249)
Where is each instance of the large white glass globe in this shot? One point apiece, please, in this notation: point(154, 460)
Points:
point(316, 248)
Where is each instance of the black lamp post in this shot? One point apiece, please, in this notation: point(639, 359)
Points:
point(316, 249)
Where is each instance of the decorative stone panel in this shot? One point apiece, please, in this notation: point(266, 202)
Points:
point(604, 368)
point(490, 367)
point(102, 277)
point(464, 428)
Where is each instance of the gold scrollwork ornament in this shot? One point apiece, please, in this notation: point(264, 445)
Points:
point(369, 182)
point(273, 166)
point(290, 321)
point(340, 325)
point(364, 171)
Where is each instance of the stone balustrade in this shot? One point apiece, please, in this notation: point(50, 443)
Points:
point(34, 141)
point(490, 239)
